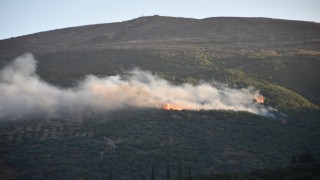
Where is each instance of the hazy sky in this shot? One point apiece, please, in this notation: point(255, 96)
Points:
point(21, 17)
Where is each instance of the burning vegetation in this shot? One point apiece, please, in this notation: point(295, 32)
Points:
point(259, 99)
point(172, 107)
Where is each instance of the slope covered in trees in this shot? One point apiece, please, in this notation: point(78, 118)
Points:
point(278, 57)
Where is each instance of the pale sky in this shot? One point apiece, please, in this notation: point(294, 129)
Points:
point(21, 17)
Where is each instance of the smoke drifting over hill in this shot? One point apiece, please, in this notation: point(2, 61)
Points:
point(23, 93)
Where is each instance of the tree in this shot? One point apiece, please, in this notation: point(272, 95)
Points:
point(190, 177)
point(110, 176)
point(168, 172)
point(293, 159)
point(306, 158)
point(153, 177)
point(179, 171)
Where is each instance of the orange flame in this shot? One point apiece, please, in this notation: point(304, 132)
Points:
point(259, 99)
point(172, 107)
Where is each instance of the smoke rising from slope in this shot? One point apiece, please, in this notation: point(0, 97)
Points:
point(23, 93)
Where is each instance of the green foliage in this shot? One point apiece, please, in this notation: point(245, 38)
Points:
point(204, 59)
point(207, 141)
point(294, 172)
point(276, 96)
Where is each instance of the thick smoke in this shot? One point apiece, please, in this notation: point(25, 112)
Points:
point(23, 94)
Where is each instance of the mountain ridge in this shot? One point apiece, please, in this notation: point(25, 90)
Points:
point(195, 19)
point(234, 32)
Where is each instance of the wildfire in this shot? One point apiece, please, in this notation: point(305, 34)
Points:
point(259, 99)
point(172, 107)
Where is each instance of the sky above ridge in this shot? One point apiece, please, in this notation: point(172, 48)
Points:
point(22, 17)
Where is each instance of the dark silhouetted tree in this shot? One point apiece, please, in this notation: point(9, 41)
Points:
point(179, 171)
point(168, 172)
point(306, 158)
point(293, 159)
point(190, 177)
point(153, 176)
point(36, 157)
point(110, 176)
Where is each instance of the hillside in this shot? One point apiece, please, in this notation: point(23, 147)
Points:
point(280, 58)
point(277, 51)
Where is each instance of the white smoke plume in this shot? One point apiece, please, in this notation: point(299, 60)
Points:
point(23, 93)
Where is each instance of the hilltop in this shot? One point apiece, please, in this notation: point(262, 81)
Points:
point(281, 52)
point(224, 32)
